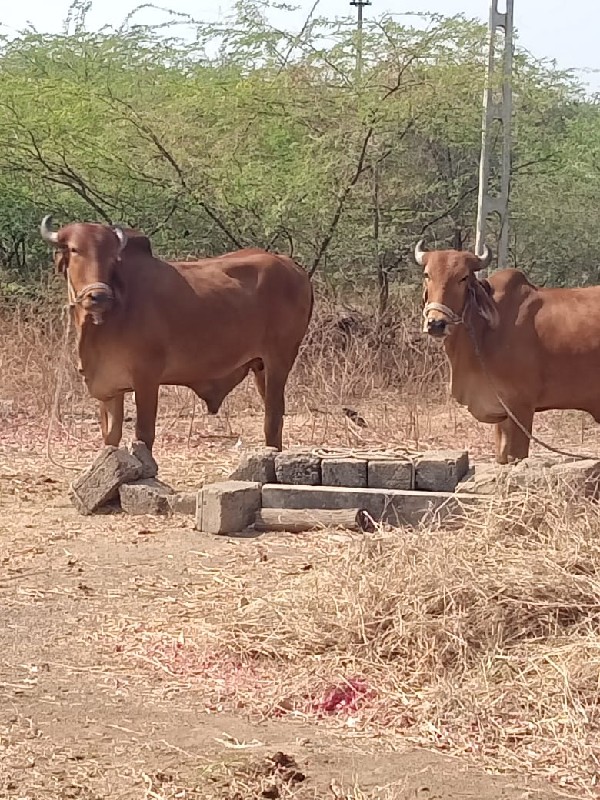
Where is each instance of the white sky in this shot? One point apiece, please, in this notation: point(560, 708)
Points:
point(565, 32)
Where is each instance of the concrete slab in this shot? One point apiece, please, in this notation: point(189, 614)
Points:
point(351, 472)
point(145, 496)
point(100, 482)
point(391, 474)
point(393, 506)
point(298, 467)
point(257, 466)
point(440, 471)
point(228, 506)
point(149, 466)
point(183, 503)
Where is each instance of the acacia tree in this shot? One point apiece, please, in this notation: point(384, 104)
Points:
point(271, 140)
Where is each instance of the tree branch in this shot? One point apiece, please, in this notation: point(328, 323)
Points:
point(145, 129)
point(360, 168)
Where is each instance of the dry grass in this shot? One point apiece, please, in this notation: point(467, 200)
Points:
point(483, 642)
point(277, 777)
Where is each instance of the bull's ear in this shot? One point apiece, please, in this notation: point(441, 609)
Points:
point(61, 260)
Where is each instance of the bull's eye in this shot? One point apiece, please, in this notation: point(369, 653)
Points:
point(426, 276)
point(462, 280)
point(73, 250)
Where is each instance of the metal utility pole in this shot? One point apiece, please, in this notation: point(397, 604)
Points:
point(496, 109)
point(359, 35)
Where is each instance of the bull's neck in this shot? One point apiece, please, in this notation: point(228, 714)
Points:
point(89, 337)
point(461, 352)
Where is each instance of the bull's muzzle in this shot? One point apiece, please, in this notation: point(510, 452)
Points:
point(95, 300)
point(96, 304)
point(439, 320)
point(438, 328)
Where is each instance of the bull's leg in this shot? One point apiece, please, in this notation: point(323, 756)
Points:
point(512, 444)
point(258, 370)
point(146, 404)
point(275, 379)
point(111, 419)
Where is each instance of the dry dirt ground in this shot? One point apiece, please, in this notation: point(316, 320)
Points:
point(90, 705)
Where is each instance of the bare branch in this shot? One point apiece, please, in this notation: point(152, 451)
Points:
point(144, 128)
point(360, 168)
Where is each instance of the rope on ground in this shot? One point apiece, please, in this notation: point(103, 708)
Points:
point(57, 389)
point(386, 454)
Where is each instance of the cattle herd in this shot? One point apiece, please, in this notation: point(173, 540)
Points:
point(142, 322)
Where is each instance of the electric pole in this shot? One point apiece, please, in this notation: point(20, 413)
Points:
point(359, 35)
point(497, 107)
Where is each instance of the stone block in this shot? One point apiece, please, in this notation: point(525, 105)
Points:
point(441, 471)
point(393, 506)
point(580, 477)
point(298, 467)
point(486, 479)
point(350, 472)
point(145, 496)
point(257, 466)
point(183, 503)
point(503, 479)
point(535, 474)
point(144, 456)
point(388, 474)
point(100, 482)
point(227, 507)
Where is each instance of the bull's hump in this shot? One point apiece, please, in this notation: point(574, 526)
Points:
point(510, 279)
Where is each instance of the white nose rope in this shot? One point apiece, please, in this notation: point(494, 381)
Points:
point(75, 299)
point(452, 316)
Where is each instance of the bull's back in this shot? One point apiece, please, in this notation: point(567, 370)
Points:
point(273, 286)
point(210, 316)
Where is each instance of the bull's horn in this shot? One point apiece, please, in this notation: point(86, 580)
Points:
point(419, 252)
point(121, 236)
point(46, 233)
point(485, 258)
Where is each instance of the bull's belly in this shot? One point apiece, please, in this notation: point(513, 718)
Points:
point(485, 406)
point(556, 381)
point(105, 385)
point(182, 366)
point(591, 405)
point(570, 384)
point(187, 372)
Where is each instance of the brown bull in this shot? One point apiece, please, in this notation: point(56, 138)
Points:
point(513, 348)
point(142, 323)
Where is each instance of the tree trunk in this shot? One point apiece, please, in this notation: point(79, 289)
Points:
point(296, 520)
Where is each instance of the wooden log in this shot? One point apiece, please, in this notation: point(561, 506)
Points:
point(297, 520)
